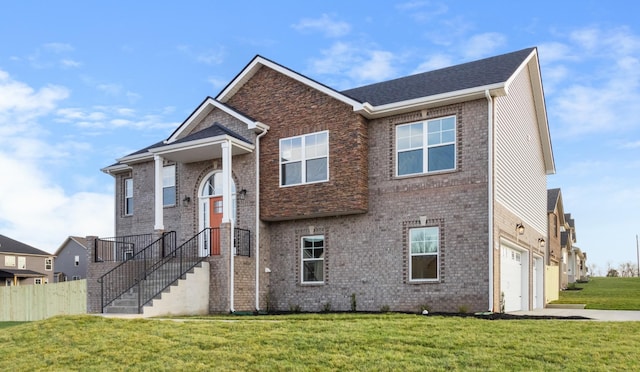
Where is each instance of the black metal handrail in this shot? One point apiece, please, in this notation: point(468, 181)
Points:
point(120, 248)
point(153, 269)
point(126, 275)
point(174, 266)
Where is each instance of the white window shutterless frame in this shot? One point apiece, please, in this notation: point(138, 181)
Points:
point(426, 147)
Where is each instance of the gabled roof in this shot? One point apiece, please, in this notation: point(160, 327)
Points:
point(553, 197)
point(258, 62)
point(8, 245)
point(488, 73)
point(208, 105)
point(180, 140)
point(215, 130)
point(473, 80)
point(81, 242)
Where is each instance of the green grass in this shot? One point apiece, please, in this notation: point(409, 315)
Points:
point(605, 293)
point(319, 342)
point(9, 324)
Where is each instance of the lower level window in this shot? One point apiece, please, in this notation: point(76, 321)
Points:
point(38, 281)
point(313, 259)
point(424, 252)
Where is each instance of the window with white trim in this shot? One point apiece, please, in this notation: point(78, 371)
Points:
point(425, 147)
point(169, 185)
point(37, 281)
point(76, 260)
point(48, 264)
point(10, 261)
point(313, 259)
point(424, 252)
point(304, 159)
point(128, 196)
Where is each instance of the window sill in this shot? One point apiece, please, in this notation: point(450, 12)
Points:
point(312, 284)
point(425, 281)
point(413, 175)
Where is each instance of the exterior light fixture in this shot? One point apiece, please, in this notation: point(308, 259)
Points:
point(242, 193)
point(186, 200)
point(520, 228)
point(541, 242)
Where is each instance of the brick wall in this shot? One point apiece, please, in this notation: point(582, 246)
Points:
point(94, 271)
point(367, 255)
point(291, 109)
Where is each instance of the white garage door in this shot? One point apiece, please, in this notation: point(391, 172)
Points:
point(512, 265)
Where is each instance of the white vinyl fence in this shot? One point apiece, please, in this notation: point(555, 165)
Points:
point(41, 301)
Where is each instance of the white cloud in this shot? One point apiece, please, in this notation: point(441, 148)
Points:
point(324, 24)
point(36, 210)
point(58, 47)
point(483, 45)
point(112, 118)
point(376, 67)
point(604, 100)
point(207, 56)
point(16, 96)
point(360, 64)
point(69, 63)
point(434, 62)
point(423, 11)
point(41, 214)
point(631, 145)
point(111, 89)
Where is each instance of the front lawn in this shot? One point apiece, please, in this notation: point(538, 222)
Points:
point(319, 342)
point(605, 294)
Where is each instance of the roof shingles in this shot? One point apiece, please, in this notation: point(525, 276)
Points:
point(455, 78)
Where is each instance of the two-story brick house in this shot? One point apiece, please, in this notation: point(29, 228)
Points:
point(427, 191)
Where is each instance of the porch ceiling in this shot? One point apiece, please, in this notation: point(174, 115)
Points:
point(200, 150)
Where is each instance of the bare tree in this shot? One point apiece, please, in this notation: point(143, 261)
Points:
point(627, 269)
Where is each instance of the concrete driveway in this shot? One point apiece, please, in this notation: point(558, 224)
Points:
point(601, 315)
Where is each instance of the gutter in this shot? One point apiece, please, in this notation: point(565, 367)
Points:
point(490, 133)
point(265, 129)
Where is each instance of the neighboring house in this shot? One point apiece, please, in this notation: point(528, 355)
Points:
point(22, 264)
point(577, 266)
point(71, 259)
point(555, 263)
point(567, 239)
point(426, 191)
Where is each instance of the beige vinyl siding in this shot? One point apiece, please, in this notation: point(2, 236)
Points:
point(520, 177)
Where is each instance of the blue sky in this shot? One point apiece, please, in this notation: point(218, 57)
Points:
point(83, 83)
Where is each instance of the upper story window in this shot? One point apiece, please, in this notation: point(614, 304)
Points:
point(424, 251)
point(128, 196)
point(48, 264)
point(425, 147)
point(76, 260)
point(169, 185)
point(10, 261)
point(304, 159)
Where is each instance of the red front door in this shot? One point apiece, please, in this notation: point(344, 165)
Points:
point(215, 219)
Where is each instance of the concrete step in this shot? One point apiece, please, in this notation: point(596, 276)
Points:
point(121, 309)
point(127, 303)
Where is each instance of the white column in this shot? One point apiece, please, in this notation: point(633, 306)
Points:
point(226, 215)
point(159, 218)
point(226, 182)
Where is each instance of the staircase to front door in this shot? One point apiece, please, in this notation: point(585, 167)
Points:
point(145, 275)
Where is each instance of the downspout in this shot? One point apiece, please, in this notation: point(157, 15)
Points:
point(490, 134)
point(265, 129)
